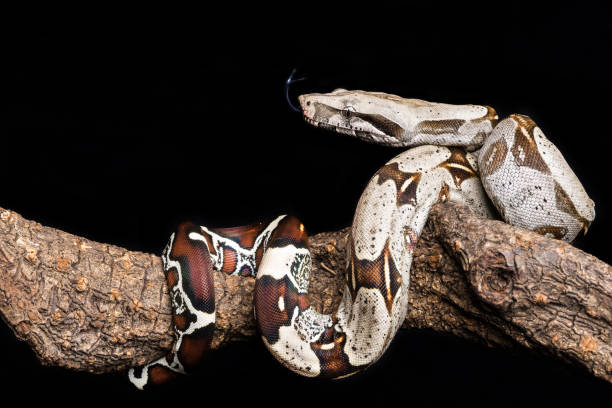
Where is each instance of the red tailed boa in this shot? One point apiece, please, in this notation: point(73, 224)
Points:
point(525, 176)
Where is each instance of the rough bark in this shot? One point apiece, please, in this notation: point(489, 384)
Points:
point(91, 306)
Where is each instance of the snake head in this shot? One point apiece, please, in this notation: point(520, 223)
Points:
point(371, 116)
point(391, 120)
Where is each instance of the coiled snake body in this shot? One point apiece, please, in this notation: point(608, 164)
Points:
point(525, 176)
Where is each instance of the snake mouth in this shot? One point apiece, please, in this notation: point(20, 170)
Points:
point(316, 122)
point(327, 126)
point(347, 130)
point(370, 136)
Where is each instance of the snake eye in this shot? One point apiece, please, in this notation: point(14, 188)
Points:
point(348, 111)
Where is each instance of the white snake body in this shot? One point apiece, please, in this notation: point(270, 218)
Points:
point(527, 178)
point(530, 183)
point(389, 218)
point(523, 174)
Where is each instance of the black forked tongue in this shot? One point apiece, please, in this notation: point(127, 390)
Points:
point(292, 80)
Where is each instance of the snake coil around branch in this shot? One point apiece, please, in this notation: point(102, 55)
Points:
point(379, 255)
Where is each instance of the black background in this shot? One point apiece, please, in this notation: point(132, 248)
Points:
point(116, 126)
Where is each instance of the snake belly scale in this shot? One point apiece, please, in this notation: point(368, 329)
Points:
point(516, 173)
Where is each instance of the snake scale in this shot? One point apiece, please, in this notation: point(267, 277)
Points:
point(524, 176)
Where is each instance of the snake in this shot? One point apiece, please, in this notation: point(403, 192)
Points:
point(504, 169)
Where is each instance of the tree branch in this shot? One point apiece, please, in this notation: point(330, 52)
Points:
point(95, 307)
